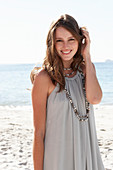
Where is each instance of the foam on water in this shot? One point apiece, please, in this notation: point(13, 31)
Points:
point(16, 108)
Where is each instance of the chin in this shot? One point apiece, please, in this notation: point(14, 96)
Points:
point(68, 60)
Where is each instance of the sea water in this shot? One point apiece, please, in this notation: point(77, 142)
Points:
point(15, 83)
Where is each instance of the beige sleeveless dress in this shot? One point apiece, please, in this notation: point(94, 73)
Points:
point(70, 144)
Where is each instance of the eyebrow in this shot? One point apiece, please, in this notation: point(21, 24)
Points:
point(62, 38)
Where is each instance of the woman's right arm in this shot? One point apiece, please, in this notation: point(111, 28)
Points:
point(39, 99)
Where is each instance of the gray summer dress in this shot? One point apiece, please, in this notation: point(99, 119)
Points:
point(70, 144)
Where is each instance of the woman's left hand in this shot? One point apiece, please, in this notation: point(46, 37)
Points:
point(85, 49)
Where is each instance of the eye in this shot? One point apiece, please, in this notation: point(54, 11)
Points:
point(58, 40)
point(71, 39)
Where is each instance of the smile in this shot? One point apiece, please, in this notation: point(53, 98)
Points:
point(66, 52)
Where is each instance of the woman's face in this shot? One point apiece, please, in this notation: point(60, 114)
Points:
point(65, 44)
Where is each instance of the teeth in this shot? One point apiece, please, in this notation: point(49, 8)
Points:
point(66, 52)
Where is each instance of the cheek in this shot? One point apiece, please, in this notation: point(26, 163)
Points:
point(57, 47)
point(75, 46)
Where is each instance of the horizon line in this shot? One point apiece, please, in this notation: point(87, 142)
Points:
point(42, 63)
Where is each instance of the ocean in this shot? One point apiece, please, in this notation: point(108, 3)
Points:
point(15, 82)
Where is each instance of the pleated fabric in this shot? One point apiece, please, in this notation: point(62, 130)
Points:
point(70, 144)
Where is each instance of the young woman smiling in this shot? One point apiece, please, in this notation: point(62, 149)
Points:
point(63, 94)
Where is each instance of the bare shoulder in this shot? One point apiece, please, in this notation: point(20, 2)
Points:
point(41, 77)
point(42, 83)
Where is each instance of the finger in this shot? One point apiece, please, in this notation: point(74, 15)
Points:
point(84, 28)
point(85, 31)
point(87, 38)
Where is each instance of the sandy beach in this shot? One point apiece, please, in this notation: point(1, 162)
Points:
point(104, 126)
point(16, 136)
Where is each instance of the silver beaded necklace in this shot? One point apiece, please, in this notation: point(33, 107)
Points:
point(79, 115)
point(67, 68)
point(68, 74)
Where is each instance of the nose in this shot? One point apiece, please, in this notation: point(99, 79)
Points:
point(65, 45)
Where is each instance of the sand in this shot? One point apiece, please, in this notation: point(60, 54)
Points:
point(104, 126)
point(16, 136)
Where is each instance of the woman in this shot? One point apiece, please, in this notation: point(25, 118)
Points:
point(63, 95)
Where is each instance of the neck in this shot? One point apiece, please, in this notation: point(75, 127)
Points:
point(67, 64)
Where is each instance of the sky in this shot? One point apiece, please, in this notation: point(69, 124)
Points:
point(24, 25)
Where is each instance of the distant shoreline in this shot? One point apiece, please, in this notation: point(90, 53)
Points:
point(40, 63)
point(109, 61)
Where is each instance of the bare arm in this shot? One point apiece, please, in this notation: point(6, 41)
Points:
point(93, 89)
point(39, 99)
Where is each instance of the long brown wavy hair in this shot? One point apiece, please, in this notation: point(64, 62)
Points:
point(52, 62)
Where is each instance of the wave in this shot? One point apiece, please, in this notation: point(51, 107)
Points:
point(15, 108)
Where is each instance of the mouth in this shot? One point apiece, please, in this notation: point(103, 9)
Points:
point(66, 52)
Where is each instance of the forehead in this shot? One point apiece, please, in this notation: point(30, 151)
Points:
point(62, 32)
